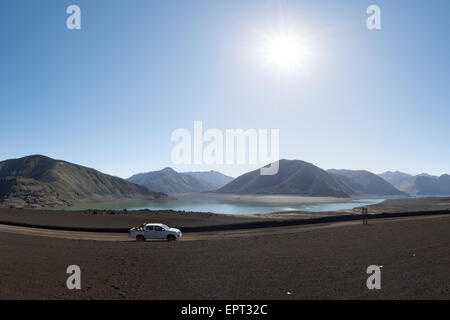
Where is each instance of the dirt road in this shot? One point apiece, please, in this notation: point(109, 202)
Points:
point(92, 236)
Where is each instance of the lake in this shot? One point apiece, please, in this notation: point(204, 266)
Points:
point(228, 206)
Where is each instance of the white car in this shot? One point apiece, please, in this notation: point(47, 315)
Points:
point(154, 231)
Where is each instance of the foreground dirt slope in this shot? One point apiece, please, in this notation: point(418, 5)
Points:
point(328, 263)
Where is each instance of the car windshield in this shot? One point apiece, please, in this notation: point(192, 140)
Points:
point(164, 227)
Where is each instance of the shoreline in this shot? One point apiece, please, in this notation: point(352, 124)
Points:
point(278, 199)
point(114, 219)
point(388, 205)
point(228, 204)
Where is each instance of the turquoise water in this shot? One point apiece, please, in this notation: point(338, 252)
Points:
point(228, 206)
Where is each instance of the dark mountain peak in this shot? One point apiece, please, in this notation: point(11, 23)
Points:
point(294, 177)
point(294, 162)
point(32, 167)
point(36, 157)
point(40, 181)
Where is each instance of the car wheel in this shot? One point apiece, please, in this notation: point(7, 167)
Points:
point(140, 238)
point(171, 237)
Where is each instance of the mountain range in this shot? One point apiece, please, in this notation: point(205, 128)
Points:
point(169, 181)
point(303, 178)
point(419, 185)
point(38, 181)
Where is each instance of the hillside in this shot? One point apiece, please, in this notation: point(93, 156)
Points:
point(365, 183)
point(425, 185)
point(216, 179)
point(169, 181)
point(38, 181)
point(396, 178)
point(420, 185)
point(294, 177)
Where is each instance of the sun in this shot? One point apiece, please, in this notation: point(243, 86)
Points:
point(285, 51)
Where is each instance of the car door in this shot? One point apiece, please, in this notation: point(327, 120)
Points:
point(160, 232)
point(150, 232)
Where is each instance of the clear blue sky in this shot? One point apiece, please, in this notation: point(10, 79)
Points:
point(109, 96)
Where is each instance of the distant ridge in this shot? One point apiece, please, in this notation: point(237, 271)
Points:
point(396, 178)
point(217, 179)
point(363, 182)
point(169, 181)
point(38, 181)
point(420, 185)
point(427, 186)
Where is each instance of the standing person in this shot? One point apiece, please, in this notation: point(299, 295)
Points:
point(365, 212)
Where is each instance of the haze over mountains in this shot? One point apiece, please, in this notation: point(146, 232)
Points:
point(419, 185)
point(38, 181)
point(171, 182)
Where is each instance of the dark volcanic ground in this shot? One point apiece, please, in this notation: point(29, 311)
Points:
point(108, 219)
point(327, 263)
point(116, 219)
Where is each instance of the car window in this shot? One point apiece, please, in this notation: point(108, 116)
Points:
point(149, 228)
point(159, 229)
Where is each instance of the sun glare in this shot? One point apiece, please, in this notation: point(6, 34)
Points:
point(285, 51)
